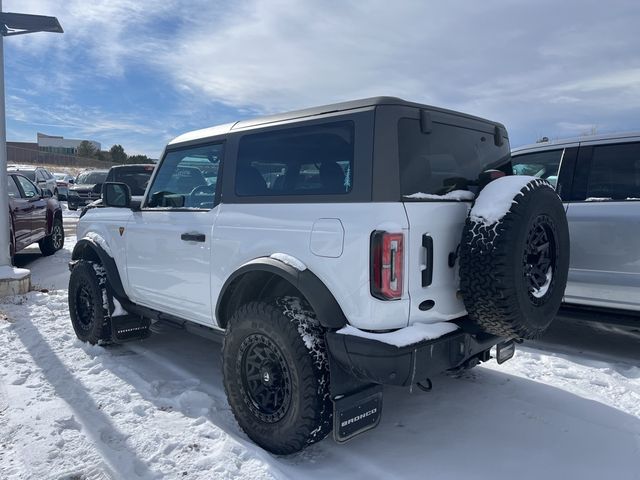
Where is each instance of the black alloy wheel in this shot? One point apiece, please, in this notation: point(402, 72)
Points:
point(539, 259)
point(266, 382)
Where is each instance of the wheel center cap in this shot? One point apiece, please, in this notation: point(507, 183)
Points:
point(266, 377)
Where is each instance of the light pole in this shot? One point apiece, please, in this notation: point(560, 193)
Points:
point(13, 24)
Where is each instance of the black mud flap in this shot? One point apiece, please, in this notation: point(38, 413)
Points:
point(356, 413)
point(129, 327)
point(505, 350)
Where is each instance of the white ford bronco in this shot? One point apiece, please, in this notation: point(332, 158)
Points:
point(336, 250)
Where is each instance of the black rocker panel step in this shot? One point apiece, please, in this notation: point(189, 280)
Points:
point(129, 327)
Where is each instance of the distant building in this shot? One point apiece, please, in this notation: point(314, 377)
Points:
point(60, 145)
point(52, 150)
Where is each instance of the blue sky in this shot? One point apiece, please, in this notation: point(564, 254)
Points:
point(139, 72)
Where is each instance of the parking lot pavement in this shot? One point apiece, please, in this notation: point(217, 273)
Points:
point(597, 341)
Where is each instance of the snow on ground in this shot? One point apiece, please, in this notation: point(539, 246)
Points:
point(157, 409)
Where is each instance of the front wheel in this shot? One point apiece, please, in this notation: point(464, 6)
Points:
point(88, 302)
point(276, 374)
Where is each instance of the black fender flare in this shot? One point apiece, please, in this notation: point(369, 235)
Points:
point(324, 304)
point(88, 249)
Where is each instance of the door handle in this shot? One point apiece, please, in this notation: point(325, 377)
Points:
point(193, 237)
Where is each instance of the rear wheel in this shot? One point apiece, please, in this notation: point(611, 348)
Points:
point(55, 241)
point(277, 383)
point(513, 271)
point(88, 302)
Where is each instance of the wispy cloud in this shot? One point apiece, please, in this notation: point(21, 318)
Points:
point(538, 67)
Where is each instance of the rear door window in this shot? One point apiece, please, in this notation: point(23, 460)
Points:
point(447, 158)
point(311, 160)
point(615, 172)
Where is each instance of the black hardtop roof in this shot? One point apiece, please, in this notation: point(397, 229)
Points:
point(350, 105)
point(216, 130)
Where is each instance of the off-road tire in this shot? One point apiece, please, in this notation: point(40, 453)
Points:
point(494, 283)
point(89, 304)
point(55, 241)
point(289, 328)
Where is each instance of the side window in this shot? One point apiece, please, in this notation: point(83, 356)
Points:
point(12, 188)
point(313, 160)
point(540, 164)
point(187, 178)
point(29, 189)
point(615, 172)
point(40, 176)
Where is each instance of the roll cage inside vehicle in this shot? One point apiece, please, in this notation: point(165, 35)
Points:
point(336, 250)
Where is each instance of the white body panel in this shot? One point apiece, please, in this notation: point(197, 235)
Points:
point(166, 272)
point(161, 271)
point(443, 221)
point(247, 231)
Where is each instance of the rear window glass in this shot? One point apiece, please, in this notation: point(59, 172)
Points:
point(446, 159)
point(136, 178)
point(540, 164)
point(30, 174)
point(313, 160)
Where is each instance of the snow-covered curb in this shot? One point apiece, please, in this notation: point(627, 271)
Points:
point(415, 333)
point(496, 198)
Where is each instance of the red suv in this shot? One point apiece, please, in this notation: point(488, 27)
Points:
point(35, 217)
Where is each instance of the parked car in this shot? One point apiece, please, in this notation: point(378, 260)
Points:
point(86, 189)
point(598, 179)
point(63, 181)
point(38, 175)
point(35, 216)
point(336, 250)
point(135, 176)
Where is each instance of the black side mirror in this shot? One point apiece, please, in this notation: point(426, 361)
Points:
point(45, 193)
point(97, 188)
point(116, 194)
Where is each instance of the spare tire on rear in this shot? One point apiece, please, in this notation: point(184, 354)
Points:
point(514, 257)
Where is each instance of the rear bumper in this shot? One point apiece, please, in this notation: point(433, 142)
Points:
point(377, 362)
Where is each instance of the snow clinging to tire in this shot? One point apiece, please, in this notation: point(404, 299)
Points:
point(514, 257)
point(498, 196)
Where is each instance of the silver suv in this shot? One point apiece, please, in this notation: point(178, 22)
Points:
point(598, 179)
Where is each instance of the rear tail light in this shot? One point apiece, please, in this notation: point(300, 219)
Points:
point(387, 265)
